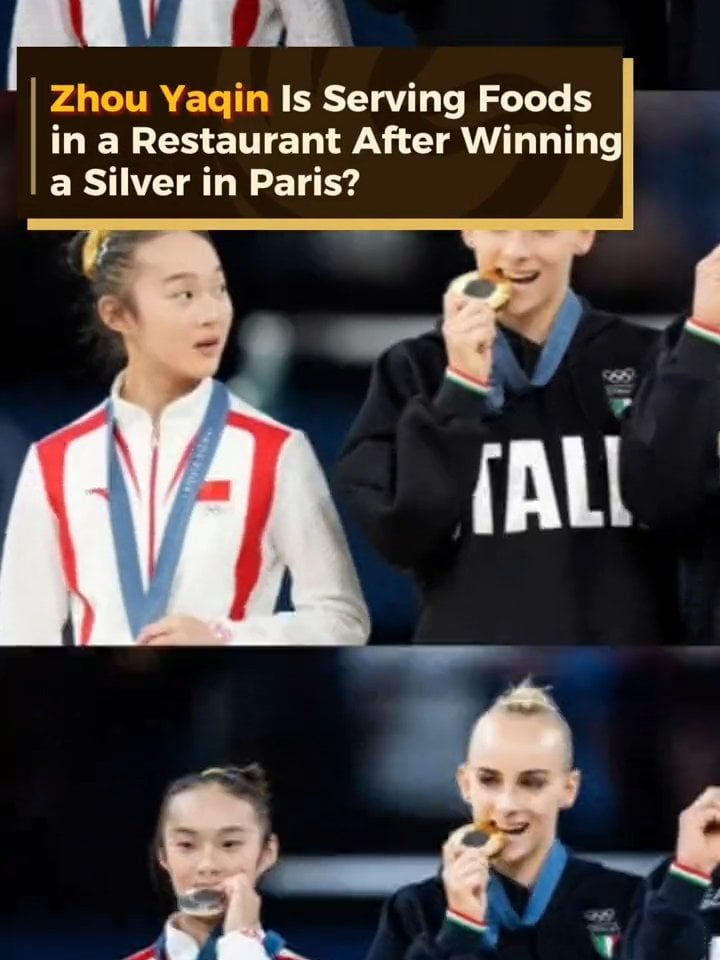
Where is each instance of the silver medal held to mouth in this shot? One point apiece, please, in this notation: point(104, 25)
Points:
point(202, 903)
point(490, 286)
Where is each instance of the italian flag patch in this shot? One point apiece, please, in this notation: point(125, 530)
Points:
point(619, 404)
point(605, 943)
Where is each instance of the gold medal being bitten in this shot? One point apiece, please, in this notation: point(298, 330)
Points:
point(484, 836)
point(491, 287)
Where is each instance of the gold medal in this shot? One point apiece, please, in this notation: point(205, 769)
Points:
point(490, 287)
point(484, 837)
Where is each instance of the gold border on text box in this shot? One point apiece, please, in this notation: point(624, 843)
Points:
point(625, 222)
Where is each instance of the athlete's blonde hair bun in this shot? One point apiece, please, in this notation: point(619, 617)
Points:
point(528, 698)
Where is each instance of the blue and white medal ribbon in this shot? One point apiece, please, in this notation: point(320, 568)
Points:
point(145, 607)
point(501, 915)
point(162, 32)
point(509, 376)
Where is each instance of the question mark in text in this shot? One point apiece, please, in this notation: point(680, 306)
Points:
point(352, 176)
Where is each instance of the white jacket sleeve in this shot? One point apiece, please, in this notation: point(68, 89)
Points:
point(39, 23)
point(306, 532)
point(315, 23)
point(34, 598)
point(236, 946)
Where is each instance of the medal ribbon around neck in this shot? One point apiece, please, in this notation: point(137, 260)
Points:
point(162, 32)
point(509, 376)
point(145, 607)
point(501, 915)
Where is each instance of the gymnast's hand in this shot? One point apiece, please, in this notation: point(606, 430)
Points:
point(466, 872)
point(706, 301)
point(469, 330)
point(699, 834)
point(243, 909)
point(175, 631)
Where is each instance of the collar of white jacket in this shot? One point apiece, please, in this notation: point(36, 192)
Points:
point(190, 407)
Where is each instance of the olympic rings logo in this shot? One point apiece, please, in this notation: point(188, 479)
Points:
point(600, 916)
point(626, 376)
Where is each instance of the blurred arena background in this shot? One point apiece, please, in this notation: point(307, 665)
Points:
point(361, 747)
point(314, 309)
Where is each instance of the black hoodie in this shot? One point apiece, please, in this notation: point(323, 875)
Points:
point(670, 468)
point(587, 914)
point(512, 526)
point(676, 917)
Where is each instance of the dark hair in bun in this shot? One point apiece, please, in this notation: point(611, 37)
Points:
point(105, 259)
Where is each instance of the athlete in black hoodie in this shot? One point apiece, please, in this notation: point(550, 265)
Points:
point(641, 28)
point(534, 900)
point(678, 912)
point(484, 462)
point(670, 462)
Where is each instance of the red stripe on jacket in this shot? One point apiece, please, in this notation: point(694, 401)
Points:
point(244, 21)
point(269, 440)
point(147, 954)
point(76, 19)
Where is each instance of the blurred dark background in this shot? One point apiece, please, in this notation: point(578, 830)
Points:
point(314, 309)
point(361, 747)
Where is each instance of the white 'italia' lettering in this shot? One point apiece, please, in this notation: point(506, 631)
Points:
point(579, 512)
point(528, 461)
point(619, 514)
point(482, 497)
point(530, 491)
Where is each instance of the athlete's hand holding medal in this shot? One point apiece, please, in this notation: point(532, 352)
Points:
point(243, 905)
point(466, 867)
point(469, 326)
point(698, 846)
point(235, 902)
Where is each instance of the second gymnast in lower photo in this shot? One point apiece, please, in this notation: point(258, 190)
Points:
point(213, 844)
point(509, 888)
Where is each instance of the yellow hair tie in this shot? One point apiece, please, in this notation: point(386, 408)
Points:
point(92, 249)
point(212, 770)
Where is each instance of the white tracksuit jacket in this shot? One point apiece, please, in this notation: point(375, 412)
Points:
point(201, 23)
point(233, 946)
point(265, 507)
